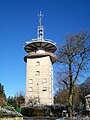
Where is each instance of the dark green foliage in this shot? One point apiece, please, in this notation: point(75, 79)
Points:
point(1, 88)
point(35, 111)
point(11, 102)
point(2, 95)
point(26, 111)
point(16, 101)
point(54, 110)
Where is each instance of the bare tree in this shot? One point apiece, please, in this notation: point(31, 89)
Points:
point(73, 56)
point(20, 98)
point(33, 101)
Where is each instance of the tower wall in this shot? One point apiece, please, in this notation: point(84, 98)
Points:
point(39, 81)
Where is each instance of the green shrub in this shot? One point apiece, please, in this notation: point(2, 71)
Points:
point(56, 111)
point(42, 111)
point(35, 111)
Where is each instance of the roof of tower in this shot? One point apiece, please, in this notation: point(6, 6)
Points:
point(35, 45)
point(40, 43)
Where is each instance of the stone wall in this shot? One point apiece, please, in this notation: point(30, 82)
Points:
point(11, 118)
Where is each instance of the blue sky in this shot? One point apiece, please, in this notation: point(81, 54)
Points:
point(18, 24)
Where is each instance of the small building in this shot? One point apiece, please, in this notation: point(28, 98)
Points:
point(87, 105)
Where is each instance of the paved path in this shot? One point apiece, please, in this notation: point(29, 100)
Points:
point(39, 118)
point(52, 118)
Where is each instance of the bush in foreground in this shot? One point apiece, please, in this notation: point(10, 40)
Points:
point(42, 111)
point(9, 111)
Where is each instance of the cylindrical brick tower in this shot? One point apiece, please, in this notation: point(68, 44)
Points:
point(39, 72)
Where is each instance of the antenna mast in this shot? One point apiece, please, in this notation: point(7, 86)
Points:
point(40, 27)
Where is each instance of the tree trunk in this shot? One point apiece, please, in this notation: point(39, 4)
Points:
point(70, 102)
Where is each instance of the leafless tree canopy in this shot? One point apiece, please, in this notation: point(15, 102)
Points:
point(74, 56)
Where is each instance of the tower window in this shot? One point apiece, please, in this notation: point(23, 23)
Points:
point(30, 81)
point(44, 89)
point(40, 33)
point(30, 89)
point(37, 73)
point(50, 95)
point(44, 80)
point(37, 63)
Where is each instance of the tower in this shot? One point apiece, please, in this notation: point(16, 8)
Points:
point(39, 72)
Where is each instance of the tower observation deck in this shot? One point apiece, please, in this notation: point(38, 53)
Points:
point(39, 61)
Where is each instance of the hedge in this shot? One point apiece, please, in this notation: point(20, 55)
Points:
point(55, 111)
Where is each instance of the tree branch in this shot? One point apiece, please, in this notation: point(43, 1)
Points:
point(79, 68)
point(65, 83)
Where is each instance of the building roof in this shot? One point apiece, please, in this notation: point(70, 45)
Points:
point(87, 96)
point(35, 45)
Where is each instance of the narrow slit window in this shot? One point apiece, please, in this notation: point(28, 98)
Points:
point(44, 80)
point(37, 73)
point(30, 89)
point(44, 89)
point(30, 81)
point(37, 63)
